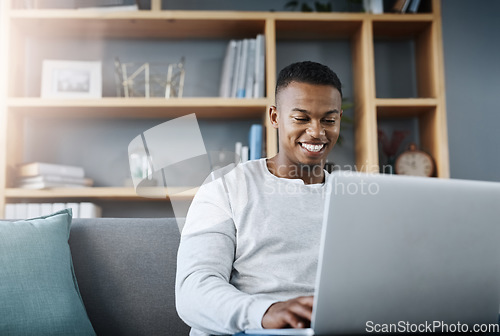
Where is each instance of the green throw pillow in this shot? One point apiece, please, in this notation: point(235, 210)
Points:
point(38, 290)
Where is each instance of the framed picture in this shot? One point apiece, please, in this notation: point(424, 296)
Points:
point(71, 79)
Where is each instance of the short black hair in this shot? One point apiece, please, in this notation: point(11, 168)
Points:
point(308, 72)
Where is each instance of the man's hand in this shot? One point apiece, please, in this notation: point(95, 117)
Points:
point(294, 313)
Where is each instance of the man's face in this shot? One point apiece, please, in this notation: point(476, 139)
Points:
point(307, 117)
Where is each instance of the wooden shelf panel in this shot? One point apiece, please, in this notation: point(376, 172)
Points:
point(217, 108)
point(206, 24)
point(400, 25)
point(140, 24)
point(96, 193)
point(341, 25)
point(404, 108)
point(295, 26)
point(292, 29)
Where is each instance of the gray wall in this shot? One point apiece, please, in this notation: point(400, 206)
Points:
point(472, 67)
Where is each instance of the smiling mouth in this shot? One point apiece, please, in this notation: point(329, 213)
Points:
point(313, 148)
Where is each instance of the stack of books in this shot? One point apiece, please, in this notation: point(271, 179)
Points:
point(40, 175)
point(243, 69)
point(33, 210)
point(406, 6)
point(255, 149)
point(398, 6)
point(106, 5)
point(120, 8)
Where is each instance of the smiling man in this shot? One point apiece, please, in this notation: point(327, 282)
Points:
point(249, 249)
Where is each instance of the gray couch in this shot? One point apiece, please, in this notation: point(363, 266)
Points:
point(126, 272)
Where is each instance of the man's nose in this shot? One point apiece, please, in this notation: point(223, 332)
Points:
point(315, 129)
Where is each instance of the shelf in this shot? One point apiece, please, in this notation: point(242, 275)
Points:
point(293, 29)
point(218, 108)
point(401, 25)
point(139, 24)
point(342, 25)
point(206, 24)
point(97, 193)
point(404, 108)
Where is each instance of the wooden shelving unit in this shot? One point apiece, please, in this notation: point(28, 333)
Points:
point(361, 29)
point(216, 108)
point(404, 108)
point(108, 193)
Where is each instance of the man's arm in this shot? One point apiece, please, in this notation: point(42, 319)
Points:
point(205, 299)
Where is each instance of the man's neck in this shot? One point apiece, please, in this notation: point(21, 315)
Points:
point(283, 168)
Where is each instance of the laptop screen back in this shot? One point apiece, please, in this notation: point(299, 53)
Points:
point(407, 250)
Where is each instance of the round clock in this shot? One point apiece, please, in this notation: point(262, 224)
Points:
point(414, 162)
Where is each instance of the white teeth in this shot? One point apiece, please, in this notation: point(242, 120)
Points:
point(313, 148)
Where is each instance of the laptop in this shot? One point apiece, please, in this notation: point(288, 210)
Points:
point(406, 254)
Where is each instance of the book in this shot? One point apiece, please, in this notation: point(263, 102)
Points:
point(250, 76)
point(98, 3)
point(124, 8)
point(244, 153)
point(373, 6)
point(48, 185)
point(90, 210)
point(58, 207)
point(30, 210)
point(46, 209)
point(42, 168)
point(234, 84)
point(10, 211)
point(376, 6)
point(400, 6)
point(20, 211)
point(33, 210)
point(405, 6)
point(260, 61)
point(242, 71)
point(228, 70)
point(54, 180)
point(237, 151)
point(75, 209)
point(255, 142)
point(367, 6)
point(413, 8)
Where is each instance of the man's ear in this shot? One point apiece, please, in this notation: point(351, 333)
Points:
point(273, 116)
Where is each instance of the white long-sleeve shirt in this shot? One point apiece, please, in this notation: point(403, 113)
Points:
point(250, 239)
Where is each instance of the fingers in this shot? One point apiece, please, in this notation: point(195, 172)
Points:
point(295, 321)
point(302, 311)
point(306, 300)
point(295, 313)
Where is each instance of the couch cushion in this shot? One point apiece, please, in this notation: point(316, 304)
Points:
point(126, 273)
point(38, 290)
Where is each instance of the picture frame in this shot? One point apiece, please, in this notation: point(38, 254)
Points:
point(71, 79)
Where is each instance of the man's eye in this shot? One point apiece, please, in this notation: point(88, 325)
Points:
point(330, 121)
point(300, 119)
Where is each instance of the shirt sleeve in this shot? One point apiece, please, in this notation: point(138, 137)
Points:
point(205, 299)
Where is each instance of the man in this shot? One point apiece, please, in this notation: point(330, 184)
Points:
point(249, 249)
